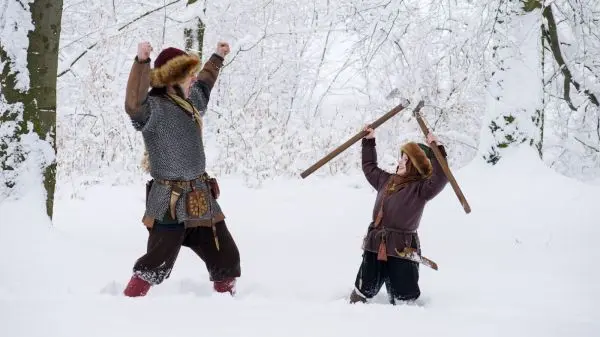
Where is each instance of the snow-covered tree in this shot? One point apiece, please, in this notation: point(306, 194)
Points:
point(514, 93)
point(571, 84)
point(29, 39)
point(544, 83)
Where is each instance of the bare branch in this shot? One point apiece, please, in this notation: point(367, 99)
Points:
point(598, 128)
point(587, 145)
point(320, 63)
point(165, 22)
point(385, 38)
point(402, 52)
point(22, 4)
point(120, 28)
point(76, 59)
point(147, 13)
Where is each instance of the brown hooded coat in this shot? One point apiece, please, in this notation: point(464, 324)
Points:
point(403, 207)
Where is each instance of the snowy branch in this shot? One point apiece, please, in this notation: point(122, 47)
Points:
point(587, 145)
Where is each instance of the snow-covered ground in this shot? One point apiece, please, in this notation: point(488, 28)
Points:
point(521, 264)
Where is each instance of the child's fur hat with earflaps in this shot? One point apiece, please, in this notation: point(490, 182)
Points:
point(172, 66)
point(419, 155)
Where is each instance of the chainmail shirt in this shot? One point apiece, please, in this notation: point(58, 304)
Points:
point(175, 150)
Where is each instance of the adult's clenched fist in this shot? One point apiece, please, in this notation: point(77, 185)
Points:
point(223, 48)
point(144, 50)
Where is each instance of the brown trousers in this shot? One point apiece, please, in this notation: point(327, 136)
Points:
point(165, 241)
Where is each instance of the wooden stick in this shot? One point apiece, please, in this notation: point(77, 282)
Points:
point(444, 165)
point(354, 139)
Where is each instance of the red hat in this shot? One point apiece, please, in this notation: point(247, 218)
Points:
point(172, 66)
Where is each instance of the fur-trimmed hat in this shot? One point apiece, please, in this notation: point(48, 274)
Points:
point(419, 155)
point(172, 66)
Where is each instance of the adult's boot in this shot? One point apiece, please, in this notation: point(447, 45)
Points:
point(226, 285)
point(136, 287)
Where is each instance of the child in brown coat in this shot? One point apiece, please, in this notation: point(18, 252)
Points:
point(401, 198)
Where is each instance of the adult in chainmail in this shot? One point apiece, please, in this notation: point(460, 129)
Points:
point(181, 205)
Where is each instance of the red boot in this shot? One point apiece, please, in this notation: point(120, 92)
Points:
point(136, 287)
point(226, 285)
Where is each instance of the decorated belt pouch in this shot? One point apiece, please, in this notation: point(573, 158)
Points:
point(196, 204)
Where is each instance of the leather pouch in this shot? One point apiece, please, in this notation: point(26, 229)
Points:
point(196, 203)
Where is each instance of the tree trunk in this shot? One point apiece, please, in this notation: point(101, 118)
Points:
point(42, 60)
point(550, 33)
point(39, 100)
point(194, 38)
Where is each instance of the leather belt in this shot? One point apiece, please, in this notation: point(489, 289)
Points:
point(177, 187)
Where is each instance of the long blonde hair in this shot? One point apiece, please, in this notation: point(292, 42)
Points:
point(145, 163)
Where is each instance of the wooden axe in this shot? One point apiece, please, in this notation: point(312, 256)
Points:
point(403, 104)
point(443, 163)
